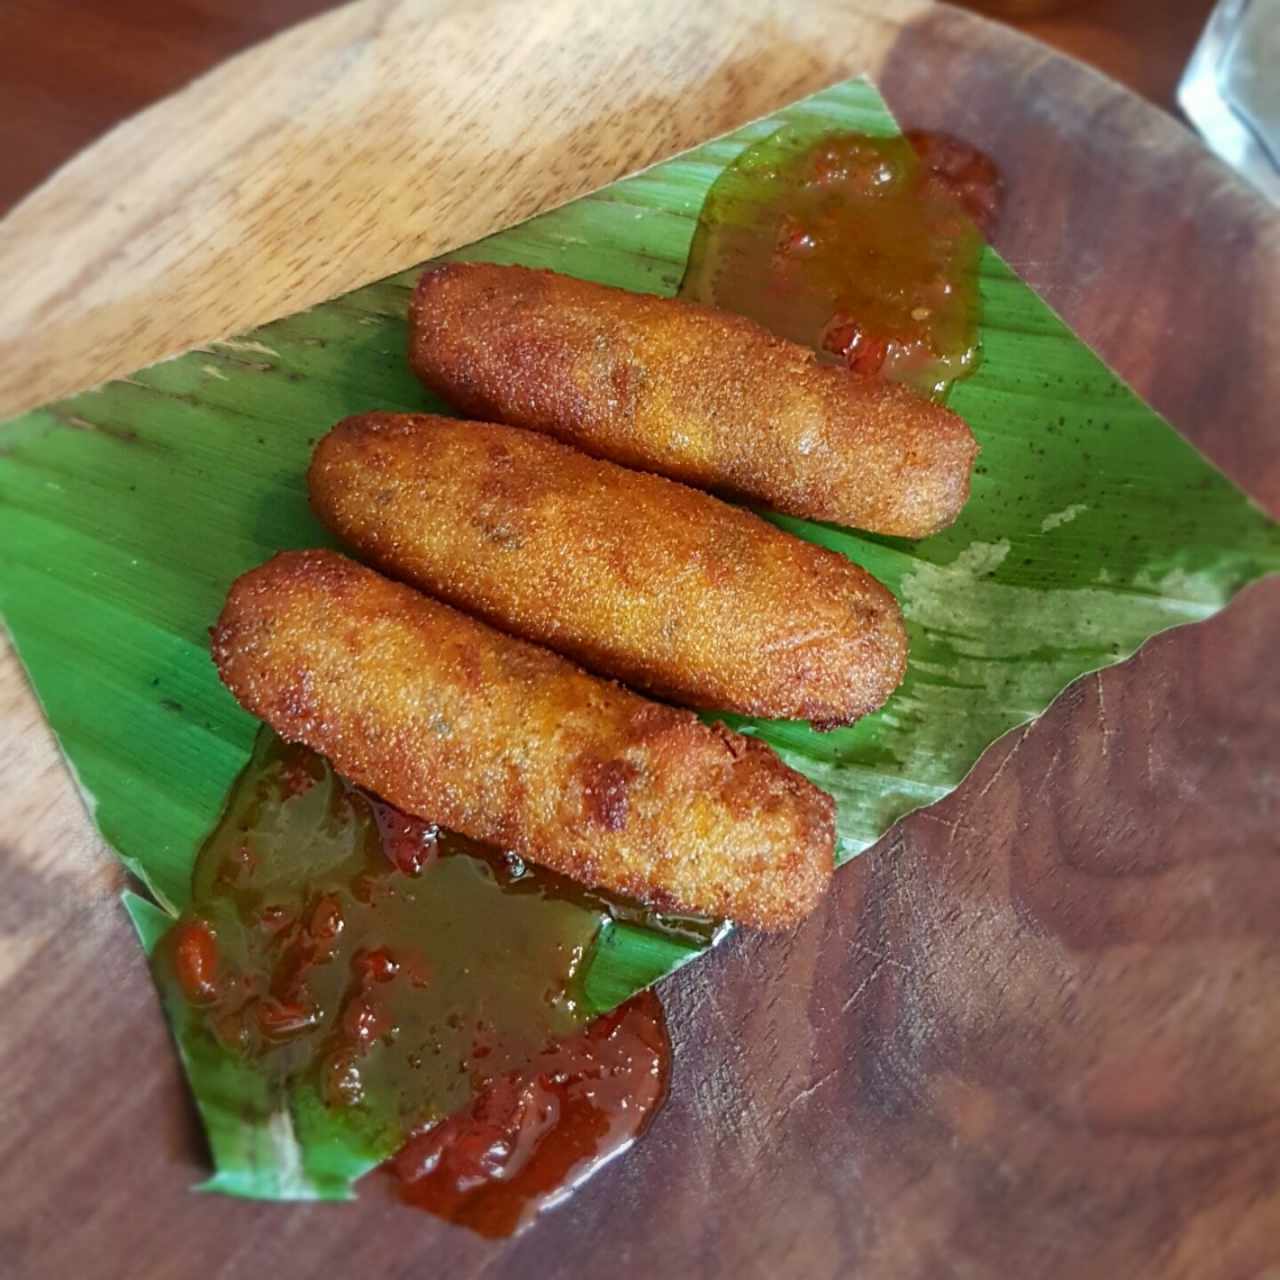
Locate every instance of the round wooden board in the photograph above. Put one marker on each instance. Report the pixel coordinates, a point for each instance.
(1034, 1032)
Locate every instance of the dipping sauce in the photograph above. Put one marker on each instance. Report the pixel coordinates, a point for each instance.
(532, 1136)
(397, 972)
(864, 248)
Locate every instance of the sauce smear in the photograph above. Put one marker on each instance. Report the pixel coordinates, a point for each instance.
(863, 248)
(400, 974)
(534, 1135)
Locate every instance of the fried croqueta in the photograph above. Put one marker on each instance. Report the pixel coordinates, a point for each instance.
(632, 575)
(511, 744)
(693, 393)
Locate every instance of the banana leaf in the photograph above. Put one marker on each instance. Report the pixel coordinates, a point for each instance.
(126, 511)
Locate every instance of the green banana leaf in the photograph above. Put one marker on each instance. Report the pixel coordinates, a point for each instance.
(125, 512)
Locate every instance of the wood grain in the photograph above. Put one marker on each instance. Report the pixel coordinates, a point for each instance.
(70, 72)
(415, 128)
(1034, 1032)
(58, 93)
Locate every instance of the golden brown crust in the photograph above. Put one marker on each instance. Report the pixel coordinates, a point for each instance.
(511, 744)
(697, 394)
(630, 574)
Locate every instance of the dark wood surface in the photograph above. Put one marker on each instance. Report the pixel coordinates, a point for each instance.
(1144, 44)
(1033, 1033)
(70, 69)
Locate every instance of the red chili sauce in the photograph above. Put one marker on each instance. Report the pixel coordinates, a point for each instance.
(403, 975)
(536, 1134)
(864, 248)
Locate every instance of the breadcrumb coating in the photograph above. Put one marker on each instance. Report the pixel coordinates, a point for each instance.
(693, 393)
(632, 575)
(511, 744)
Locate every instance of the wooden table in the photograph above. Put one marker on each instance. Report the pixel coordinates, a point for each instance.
(1034, 1032)
(67, 74)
